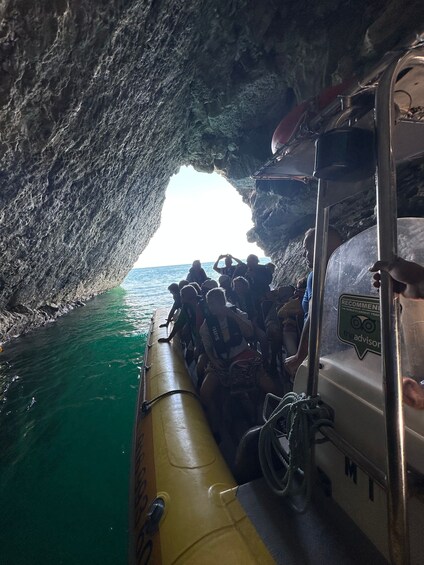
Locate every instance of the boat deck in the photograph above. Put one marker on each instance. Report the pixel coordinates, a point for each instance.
(321, 535)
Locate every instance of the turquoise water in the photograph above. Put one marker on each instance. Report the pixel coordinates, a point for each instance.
(67, 402)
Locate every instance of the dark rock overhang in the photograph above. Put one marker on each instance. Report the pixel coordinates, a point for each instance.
(101, 102)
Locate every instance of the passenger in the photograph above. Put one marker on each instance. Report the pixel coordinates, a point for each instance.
(408, 277)
(271, 267)
(276, 299)
(197, 273)
(196, 287)
(229, 267)
(225, 336)
(240, 271)
(243, 300)
(408, 281)
(243, 297)
(225, 284)
(291, 364)
(182, 283)
(259, 277)
(207, 286)
(189, 299)
(413, 393)
(202, 311)
(291, 317)
(202, 307)
(175, 291)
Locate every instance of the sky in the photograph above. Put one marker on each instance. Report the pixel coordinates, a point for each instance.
(202, 218)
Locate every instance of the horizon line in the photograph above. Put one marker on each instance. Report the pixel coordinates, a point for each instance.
(183, 264)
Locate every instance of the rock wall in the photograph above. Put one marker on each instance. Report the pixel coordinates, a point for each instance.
(101, 101)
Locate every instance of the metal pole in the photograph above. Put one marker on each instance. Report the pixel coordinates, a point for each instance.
(320, 263)
(390, 342)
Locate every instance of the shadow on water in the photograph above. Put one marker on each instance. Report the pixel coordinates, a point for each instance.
(67, 400)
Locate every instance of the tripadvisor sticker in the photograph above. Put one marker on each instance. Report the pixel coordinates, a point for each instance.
(359, 323)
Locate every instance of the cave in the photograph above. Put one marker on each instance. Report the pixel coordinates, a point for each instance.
(101, 102)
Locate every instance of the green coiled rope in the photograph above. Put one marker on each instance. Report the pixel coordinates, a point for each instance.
(298, 418)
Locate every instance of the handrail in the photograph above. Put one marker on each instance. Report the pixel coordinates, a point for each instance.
(319, 269)
(390, 341)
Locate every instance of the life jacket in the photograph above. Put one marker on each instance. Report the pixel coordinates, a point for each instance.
(204, 307)
(222, 348)
(190, 312)
(246, 304)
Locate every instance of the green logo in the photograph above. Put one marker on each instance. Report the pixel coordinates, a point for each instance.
(359, 323)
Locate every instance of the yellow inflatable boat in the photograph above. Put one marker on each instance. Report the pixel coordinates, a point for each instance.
(186, 507)
(180, 478)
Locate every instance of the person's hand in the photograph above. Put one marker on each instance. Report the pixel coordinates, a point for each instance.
(220, 310)
(217, 363)
(413, 393)
(164, 340)
(408, 277)
(230, 312)
(291, 365)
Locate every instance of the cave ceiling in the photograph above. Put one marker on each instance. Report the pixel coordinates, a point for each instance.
(101, 101)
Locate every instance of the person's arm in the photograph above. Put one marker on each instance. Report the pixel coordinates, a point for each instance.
(172, 312)
(408, 277)
(413, 393)
(291, 364)
(179, 324)
(236, 260)
(243, 322)
(169, 317)
(215, 267)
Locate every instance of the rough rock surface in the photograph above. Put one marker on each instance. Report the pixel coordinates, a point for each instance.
(101, 101)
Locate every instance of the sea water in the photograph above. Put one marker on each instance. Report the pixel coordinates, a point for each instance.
(67, 406)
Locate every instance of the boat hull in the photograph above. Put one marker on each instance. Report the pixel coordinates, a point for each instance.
(183, 496)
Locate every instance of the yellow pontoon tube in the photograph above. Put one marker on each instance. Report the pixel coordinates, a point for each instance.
(184, 497)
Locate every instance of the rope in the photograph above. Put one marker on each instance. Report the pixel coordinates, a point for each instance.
(298, 418)
(147, 404)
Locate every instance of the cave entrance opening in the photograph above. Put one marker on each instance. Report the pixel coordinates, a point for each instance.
(203, 217)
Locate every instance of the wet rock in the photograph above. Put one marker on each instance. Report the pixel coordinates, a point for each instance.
(102, 101)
